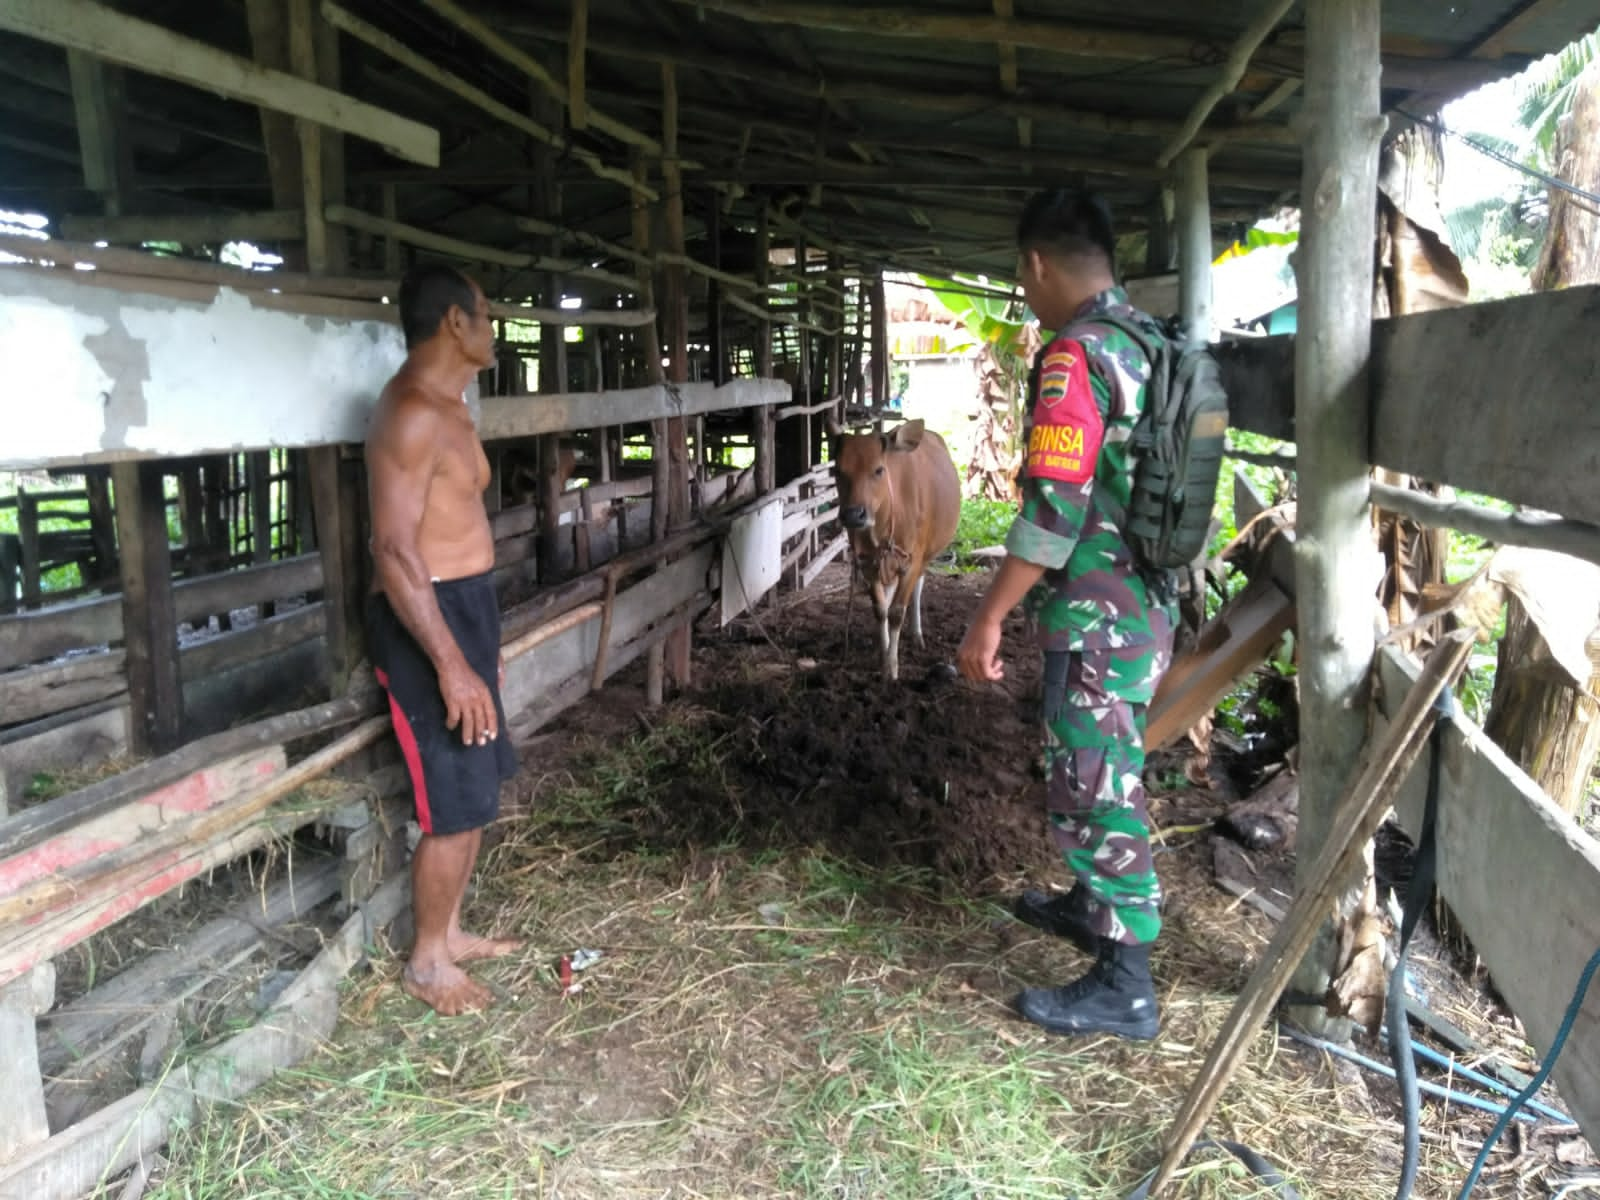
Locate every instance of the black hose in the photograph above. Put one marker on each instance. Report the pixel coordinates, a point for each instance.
(1418, 890)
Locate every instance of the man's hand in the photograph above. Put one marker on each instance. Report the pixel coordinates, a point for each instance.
(979, 656)
(468, 703)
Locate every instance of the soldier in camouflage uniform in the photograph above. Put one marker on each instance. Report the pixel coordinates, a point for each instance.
(1106, 632)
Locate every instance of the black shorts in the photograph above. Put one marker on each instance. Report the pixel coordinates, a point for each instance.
(457, 787)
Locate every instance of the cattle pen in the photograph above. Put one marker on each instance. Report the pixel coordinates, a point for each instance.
(683, 213)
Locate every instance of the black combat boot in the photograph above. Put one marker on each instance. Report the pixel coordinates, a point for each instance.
(1063, 915)
(1116, 996)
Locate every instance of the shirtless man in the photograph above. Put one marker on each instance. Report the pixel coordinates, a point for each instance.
(433, 622)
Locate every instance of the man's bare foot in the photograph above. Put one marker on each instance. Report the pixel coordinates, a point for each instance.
(469, 947)
(447, 989)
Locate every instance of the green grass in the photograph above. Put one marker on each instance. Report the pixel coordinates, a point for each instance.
(983, 523)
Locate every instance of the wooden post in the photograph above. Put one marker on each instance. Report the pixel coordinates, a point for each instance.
(303, 62)
(1194, 245)
(655, 663)
(28, 536)
(102, 524)
(103, 147)
(719, 346)
(1158, 240)
(675, 311)
(836, 341)
(392, 265)
(149, 619)
(336, 521)
(1336, 564)
(766, 456)
(546, 203)
(880, 348)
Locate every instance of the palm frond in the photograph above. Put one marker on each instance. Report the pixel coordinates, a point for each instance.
(1546, 89)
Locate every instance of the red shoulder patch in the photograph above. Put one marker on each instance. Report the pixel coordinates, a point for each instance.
(1064, 445)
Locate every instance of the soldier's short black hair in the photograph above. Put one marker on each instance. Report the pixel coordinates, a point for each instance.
(1068, 222)
(427, 293)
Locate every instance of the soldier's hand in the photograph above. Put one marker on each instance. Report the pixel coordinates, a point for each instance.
(467, 703)
(979, 656)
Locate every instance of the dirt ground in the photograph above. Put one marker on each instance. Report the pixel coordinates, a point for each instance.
(815, 748)
(797, 877)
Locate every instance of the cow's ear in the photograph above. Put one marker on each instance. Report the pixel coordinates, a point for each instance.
(905, 437)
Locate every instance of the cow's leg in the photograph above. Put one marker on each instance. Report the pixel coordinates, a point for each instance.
(889, 618)
(891, 662)
(916, 608)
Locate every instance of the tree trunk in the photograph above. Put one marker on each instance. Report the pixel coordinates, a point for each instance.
(1540, 718)
(1571, 253)
(1549, 726)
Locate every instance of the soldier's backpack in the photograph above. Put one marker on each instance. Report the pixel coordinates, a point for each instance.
(1176, 448)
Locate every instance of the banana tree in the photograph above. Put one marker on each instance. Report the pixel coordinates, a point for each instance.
(1006, 338)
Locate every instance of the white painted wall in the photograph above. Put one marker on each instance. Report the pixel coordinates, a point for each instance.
(95, 372)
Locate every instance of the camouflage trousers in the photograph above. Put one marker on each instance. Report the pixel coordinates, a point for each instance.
(1095, 703)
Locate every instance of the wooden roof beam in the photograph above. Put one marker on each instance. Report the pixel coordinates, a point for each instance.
(1008, 73)
(1233, 70)
(363, 31)
(847, 88)
(1082, 40)
(485, 36)
(114, 37)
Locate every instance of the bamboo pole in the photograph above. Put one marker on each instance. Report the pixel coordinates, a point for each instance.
(1336, 564)
(555, 628)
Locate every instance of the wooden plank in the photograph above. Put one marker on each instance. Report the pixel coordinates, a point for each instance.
(823, 557)
(115, 37)
(189, 229)
(45, 821)
(1258, 376)
(26, 1124)
(34, 637)
(101, 1146)
(529, 416)
(1534, 926)
(125, 877)
(149, 621)
(559, 659)
(1359, 813)
(1453, 399)
(102, 1019)
(72, 853)
(1230, 646)
(262, 640)
(34, 692)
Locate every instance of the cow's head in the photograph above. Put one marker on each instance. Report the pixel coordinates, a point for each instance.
(861, 470)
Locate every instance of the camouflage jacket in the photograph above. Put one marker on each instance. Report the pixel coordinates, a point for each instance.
(1087, 392)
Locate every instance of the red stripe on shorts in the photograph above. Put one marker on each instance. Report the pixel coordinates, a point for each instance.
(412, 753)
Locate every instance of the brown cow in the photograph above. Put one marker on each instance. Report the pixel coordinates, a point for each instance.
(899, 500)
